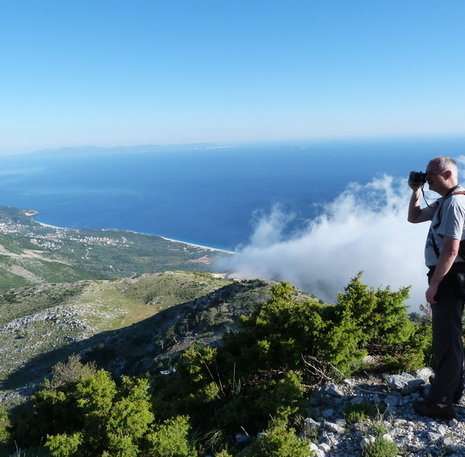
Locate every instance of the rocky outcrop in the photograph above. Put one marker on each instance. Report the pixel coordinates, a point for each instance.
(391, 398)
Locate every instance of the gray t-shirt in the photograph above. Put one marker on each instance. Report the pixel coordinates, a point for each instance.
(447, 219)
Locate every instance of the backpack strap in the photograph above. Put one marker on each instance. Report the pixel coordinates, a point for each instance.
(438, 223)
(462, 242)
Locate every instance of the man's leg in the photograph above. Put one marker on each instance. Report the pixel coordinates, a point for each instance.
(447, 340)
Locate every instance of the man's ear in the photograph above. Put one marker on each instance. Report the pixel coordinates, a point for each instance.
(447, 174)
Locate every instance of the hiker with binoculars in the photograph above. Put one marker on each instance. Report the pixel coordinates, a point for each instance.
(446, 280)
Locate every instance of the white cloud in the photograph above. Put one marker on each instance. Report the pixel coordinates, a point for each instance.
(365, 228)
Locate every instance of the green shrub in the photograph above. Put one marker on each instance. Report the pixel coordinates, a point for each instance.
(378, 430)
(64, 445)
(4, 422)
(170, 439)
(381, 447)
(359, 413)
(376, 322)
(279, 441)
(71, 371)
(4, 428)
(364, 321)
(283, 345)
(91, 416)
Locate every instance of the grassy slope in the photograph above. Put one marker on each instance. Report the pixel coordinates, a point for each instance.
(123, 324)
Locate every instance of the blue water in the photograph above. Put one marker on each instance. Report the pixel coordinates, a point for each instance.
(209, 196)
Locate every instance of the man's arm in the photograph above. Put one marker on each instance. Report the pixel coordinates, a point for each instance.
(445, 261)
(417, 214)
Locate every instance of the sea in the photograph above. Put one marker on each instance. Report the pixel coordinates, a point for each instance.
(208, 194)
(311, 212)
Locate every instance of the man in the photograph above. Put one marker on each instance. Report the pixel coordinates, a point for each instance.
(446, 279)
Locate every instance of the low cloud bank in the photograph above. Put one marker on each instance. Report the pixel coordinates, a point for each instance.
(364, 229)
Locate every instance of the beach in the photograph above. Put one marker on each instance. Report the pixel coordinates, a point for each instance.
(208, 248)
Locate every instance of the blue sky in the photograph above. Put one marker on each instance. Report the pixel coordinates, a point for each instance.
(104, 73)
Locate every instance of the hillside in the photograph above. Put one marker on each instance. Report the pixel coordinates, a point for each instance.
(33, 253)
(134, 326)
(129, 325)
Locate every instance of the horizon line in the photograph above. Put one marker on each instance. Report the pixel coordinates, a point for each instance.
(226, 144)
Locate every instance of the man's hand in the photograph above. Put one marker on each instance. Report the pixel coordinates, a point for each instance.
(431, 294)
(414, 185)
(417, 214)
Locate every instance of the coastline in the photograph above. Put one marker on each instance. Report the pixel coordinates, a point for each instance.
(209, 248)
(201, 246)
(52, 226)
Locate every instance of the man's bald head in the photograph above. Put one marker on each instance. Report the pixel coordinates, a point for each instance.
(442, 164)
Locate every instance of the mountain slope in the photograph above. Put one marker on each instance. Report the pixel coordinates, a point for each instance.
(127, 325)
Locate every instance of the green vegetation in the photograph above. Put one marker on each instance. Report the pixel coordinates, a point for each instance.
(93, 415)
(279, 441)
(378, 430)
(17, 303)
(113, 323)
(381, 447)
(358, 413)
(4, 424)
(262, 368)
(284, 345)
(32, 253)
